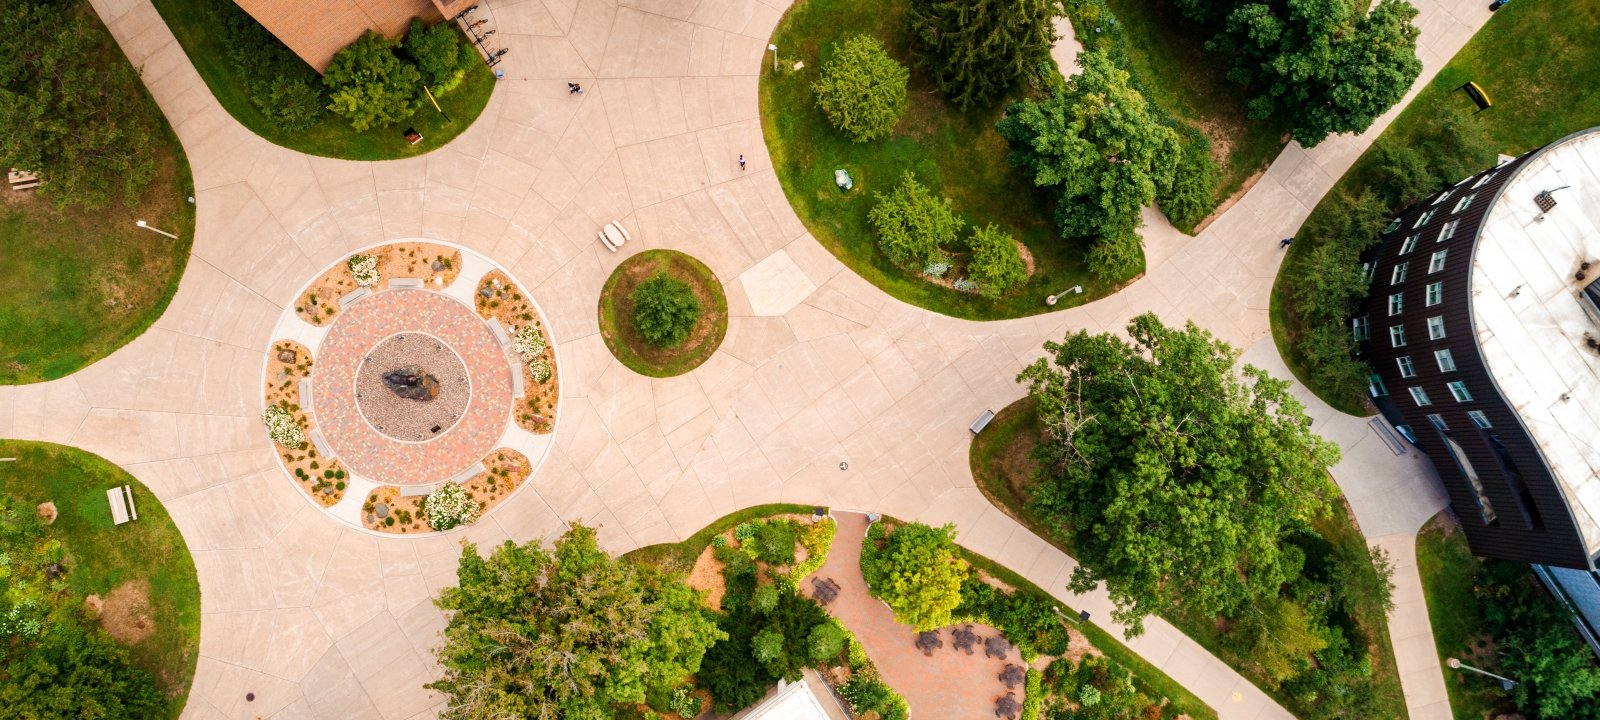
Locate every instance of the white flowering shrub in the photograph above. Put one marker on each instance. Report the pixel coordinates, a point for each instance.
(528, 342)
(936, 269)
(539, 369)
(449, 506)
(364, 268)
(282, 426)
(965, 285)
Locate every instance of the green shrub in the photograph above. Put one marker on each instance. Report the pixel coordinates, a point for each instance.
(775, 541)
(870, 694)
(370, 86)
(281, 85)
(1117, 257)
(684, 704)
(1191, 194)
(918, 572)
(826, 641)
(767, 645)
(744, 531)
(437, 52)
(913, 224)
(817, 540)
(1033, 696)
(996, 264)
(862, 89)
(719, 541)
(766, 598)
(665, 310)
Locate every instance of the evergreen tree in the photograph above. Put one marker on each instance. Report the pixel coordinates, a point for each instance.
(976, 49)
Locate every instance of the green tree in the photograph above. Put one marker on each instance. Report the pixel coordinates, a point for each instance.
(913, 224)
(1555, 672)
(1098, 144)
(370, 86)
(1117, 256)
(64, 86)
(569, 633)
(917, 571)
(1327, 65)
(826, 641)
(437, 52)
(862, 89)
(1178, 476)
(665, 310)
(1192, 193)
(977, 49)
(996, 264)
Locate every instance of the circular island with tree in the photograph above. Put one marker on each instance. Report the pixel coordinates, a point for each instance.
(662, 313)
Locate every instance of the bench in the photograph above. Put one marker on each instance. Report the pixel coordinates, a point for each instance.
(26, 186)
(350, 298)
(409, 283)
(415, 490)
(122, 509)
(517, 389)
(305, 395)
(614, 236)
(982, 422)
(499, 331)
(462, 477)
(322, 445)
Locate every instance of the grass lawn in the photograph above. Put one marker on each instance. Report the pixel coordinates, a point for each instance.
(1003, 470)
(616, 314)
(101, 556)
(76, 284)
(1536, 60)
(681, 555)
(1448, 568)
(193, 23)
(958, 155)
(1176, 71)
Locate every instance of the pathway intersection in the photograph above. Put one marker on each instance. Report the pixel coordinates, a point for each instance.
(819, 368)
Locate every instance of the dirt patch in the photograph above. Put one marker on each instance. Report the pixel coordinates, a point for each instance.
(47, 511)
(508, 304)
(93, 604)
(126, 612)
(995, 582)
(320, 302)
(1027, 256)
(1078, 647)
(707, 575)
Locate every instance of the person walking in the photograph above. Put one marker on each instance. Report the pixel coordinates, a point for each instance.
(741, 161)
(574, 88)
(1286, 242)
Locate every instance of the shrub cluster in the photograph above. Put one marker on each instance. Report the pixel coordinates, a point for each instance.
(665, 310)
(919, 231)
(450, 506)
(1556, 674)
(281, 85)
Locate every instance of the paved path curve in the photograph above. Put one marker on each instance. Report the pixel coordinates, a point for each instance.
(819, 367)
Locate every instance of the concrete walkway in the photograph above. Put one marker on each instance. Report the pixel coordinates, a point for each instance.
(819, 367)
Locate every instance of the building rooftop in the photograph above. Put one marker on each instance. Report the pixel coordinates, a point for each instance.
(1530, 325)
(315, 31)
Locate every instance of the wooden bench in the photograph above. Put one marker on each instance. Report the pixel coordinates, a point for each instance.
(350, 298)
(122, 509)
(499, 331)
(408, 283)
(982, 422)
(305, 395)
(322, 445)
(415, 490)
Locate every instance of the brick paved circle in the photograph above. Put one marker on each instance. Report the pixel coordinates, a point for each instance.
(361, 329)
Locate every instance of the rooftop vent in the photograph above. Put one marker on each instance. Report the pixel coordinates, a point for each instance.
(1545, 200)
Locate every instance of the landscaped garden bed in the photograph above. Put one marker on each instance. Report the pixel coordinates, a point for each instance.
(386, 510)
(499, 298)
(435, 265)
(692, 330)
(322, 479)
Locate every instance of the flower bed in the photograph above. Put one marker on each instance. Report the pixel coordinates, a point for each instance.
(435, 265)
(497, 297)
(323, 481)
(506, 469)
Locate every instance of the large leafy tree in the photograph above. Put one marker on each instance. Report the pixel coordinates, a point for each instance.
(1327, 65)
(1178, 474)
(1098, 143)
(565, 634)
(917, 570)
(370, 86)
(65, 92)
(862, 89)
(976, 49)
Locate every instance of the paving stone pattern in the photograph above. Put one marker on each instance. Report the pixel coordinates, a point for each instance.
(322, 621)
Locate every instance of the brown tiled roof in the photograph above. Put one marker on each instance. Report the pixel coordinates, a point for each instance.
(317, 30)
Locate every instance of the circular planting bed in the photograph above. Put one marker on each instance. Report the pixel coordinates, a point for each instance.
(624, 338)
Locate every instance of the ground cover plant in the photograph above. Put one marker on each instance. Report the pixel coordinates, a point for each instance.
(1537, 62)
(81, 278)
(271, 91)
(135, 659)
(663, 313)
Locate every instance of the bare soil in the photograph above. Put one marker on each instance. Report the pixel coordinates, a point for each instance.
(320, 302)
(505, 469)
(125, 613)
(707, 575)
(510, 305)
(304, 464)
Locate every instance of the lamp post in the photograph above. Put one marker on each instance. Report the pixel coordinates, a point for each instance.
(774, 49)
(147, 226)
(1506, 683)
(1053, 299)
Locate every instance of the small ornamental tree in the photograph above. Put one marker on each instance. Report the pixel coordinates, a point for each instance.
(917, 571)
(913, 223)
(665, 310)
(862, 89)
(450, 506)
(371, 87)
(996, 264)
(437, 52)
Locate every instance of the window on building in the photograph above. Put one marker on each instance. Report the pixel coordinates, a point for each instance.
(1435, 294)
(1397, 336)
(1436, 327)
(1458, 390)
(1438, 423)
(1436, 263)
(1375, 386)
(1486, 177)
(1420, 396)
(1409, 244)
(1443, 196)
(1464, 203)
(1423, 219)
(1397, 303)
(1405, 431)
(1358, 328)
(1406, 368)
(1368, 269)
(1447, 363)
(1393, 225)
(1513, 478)
(1485, 508)
(1478, 418)
(1448, 231)
(1399, 274)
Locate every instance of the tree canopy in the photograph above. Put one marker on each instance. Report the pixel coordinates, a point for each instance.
(1179, 476)
(73, 109)
(917, 570)
(665, 310)
(913, 224)
(565, 634)
(977, 49)
(1327, 65)
(370, 86)
(862, 89)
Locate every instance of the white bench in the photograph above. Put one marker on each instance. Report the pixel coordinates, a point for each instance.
(26, 186)
(305, 395)
(982, 422)
(462, 477)
(411, 283)
(349, 298)
(122, 509)
(517, 389)
(415, 490)
(499, 331)
(322, 445)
